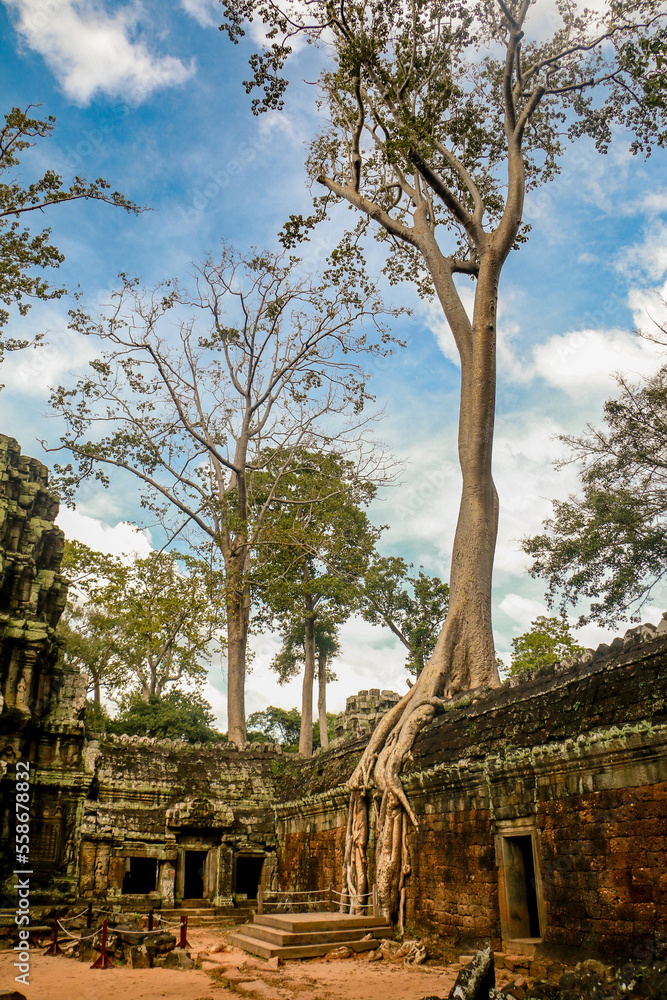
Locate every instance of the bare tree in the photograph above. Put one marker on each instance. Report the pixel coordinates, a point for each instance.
(441, 116)
(263, 363)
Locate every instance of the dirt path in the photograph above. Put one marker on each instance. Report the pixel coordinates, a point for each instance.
(228, 974)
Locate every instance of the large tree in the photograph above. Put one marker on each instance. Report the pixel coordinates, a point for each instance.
(24, 254)
(607, 546)
(440, 116)
(290, 661)
(203, 393)
(319, 541)
(140, 625)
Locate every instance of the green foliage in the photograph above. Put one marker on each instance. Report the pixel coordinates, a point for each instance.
(175, 715)
(23, 254)
(137, 623)
(266, 359)
(413, 607)
(276, 725)
(96, 718)
(283, 726)
(608, 545)
(548, 641)
(427, 104)
(289, 661)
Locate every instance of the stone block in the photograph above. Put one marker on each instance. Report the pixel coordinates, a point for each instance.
(139, 957)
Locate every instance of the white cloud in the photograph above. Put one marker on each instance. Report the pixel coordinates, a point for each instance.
(111, 539)
(92, 51)
(654, 202)
(205, 12)
(524, 610)
(583, 362)
(648, 257)
(34, 371)
(649, 307)
(525, 450)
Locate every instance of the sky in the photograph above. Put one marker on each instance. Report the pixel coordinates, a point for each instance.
(150, 96)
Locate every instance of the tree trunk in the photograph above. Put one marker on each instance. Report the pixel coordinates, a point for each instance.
(237, 605)
(97, 693)
(322, 700)
(306, 735)
(464, 656)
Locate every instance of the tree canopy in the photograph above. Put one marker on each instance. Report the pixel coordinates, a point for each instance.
(413, 607)
(142, 624)
(548, 641)
(320, 541)
(267, 362)
(607, 546)
(283, 726)
(175, 715)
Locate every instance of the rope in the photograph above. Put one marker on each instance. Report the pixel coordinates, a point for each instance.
(88, 937)
(306, 892)
(76, 916)
(358, 895)
(163, 921)
(111, 930)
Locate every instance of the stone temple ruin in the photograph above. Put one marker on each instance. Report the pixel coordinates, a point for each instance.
(542, 804)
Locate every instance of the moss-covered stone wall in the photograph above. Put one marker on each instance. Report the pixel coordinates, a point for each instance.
(570, 762)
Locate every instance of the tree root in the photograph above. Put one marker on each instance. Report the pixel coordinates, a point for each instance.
(381, 765)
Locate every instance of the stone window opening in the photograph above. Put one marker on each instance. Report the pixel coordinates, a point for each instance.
(140, 876)
(521, 901)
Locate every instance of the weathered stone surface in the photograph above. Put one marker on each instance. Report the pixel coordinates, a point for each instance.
(179, 958)
(32, 591)
(41, 703)
(476, 979)
(139, 957)
(363, 711)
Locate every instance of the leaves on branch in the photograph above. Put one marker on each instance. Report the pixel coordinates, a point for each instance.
(608, 545)
(24, 254)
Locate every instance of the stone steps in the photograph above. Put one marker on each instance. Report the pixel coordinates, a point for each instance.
(207, 916)
(306, 935)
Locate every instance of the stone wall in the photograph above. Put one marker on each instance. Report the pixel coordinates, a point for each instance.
(159, 799)
(32, 591)
(41, 703)
(567, 765)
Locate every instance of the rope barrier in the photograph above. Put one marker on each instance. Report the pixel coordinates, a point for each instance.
(88, 937)
(305, 892)
(116, 930)
(68, 920)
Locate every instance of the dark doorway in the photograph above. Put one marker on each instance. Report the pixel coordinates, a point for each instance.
(521, 887)
(248, 874)
(140, 875)
(193, 882)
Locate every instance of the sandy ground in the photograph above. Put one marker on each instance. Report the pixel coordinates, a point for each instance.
(228, 974)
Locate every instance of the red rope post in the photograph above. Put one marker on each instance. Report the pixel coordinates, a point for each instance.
(184, 930)
(54, 948)
(89, 916)
(103, 962)
(150, 919)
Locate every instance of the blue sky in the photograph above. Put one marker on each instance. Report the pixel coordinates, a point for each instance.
(150, 96)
